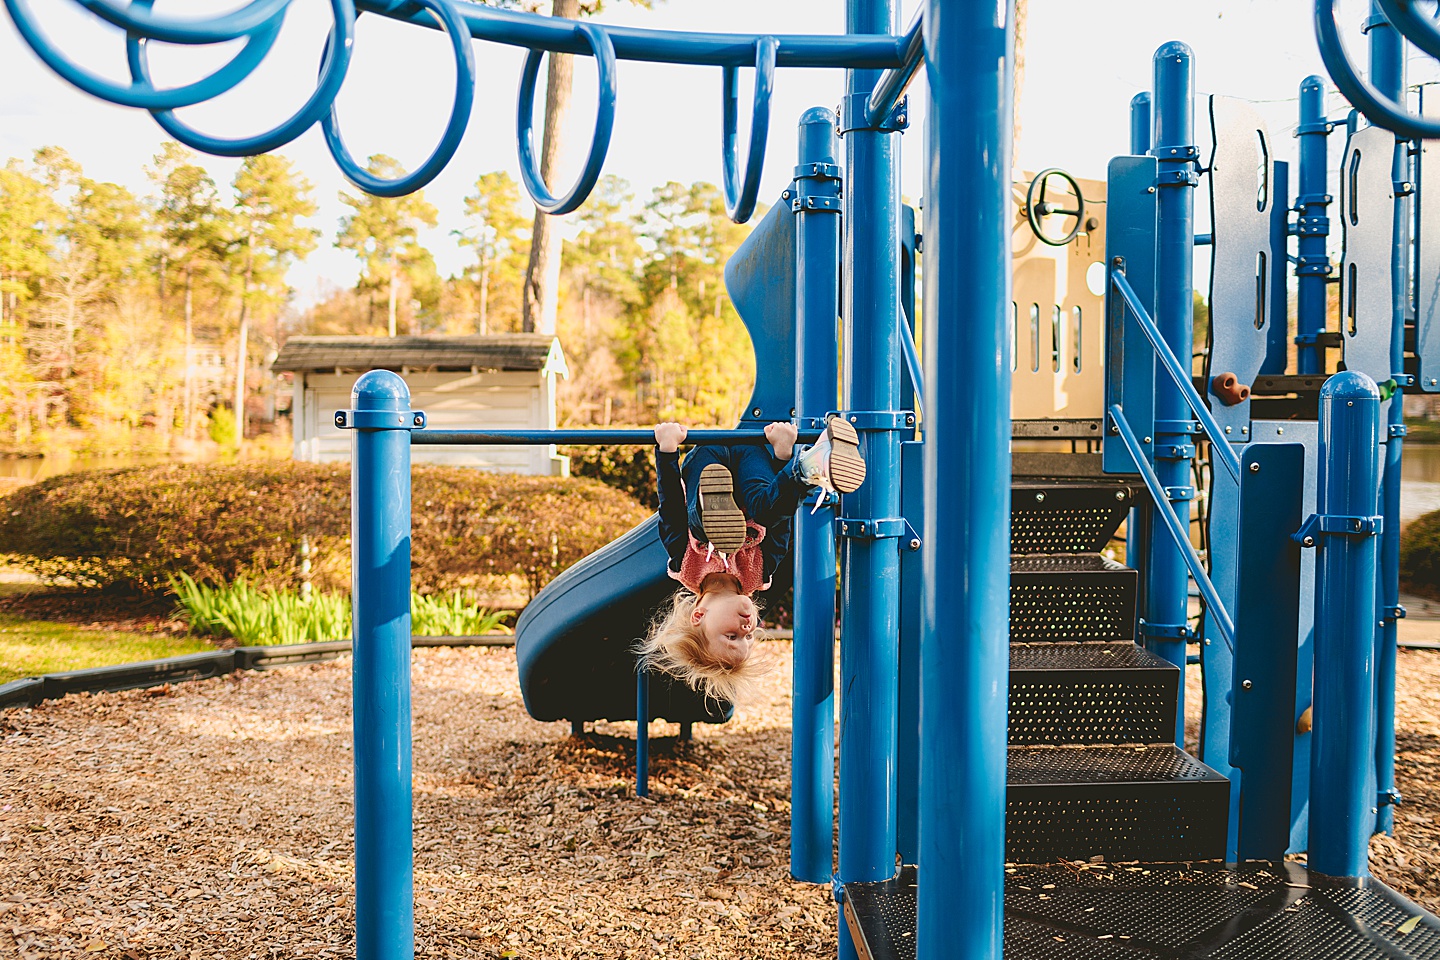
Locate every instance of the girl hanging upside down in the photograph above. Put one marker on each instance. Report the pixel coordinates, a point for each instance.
(724, 520)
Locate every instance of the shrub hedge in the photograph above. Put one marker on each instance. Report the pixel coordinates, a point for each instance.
(1420, 556)
(135, 528)
(630, 469)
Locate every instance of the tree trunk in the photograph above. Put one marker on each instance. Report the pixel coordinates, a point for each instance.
(189, 356)
(542, 274)
(1022, 16)
(484, 292)
(242, 348)
(392, 294)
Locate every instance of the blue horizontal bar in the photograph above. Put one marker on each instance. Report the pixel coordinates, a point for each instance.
(1218, 443)
(912, 362)
(1218, 614)
(595, 437)
(873, 51)
(1204, 239)
(893, 82)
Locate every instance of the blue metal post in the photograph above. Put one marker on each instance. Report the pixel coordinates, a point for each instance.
(1140, 123)
(380, 531)
(1137, 525)
(642, 733)
(1342, 798)
(1166, 593)
(964, 648)
(1313, 226)
(870, 591)
(817, 313)
(1387, 73)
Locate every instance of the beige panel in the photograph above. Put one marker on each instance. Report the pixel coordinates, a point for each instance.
(1058, 321)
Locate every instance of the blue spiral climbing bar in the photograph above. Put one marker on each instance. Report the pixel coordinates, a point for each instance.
(258, 23)
(1382, 107)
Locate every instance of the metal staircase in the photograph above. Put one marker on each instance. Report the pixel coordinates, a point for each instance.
(1115, 837)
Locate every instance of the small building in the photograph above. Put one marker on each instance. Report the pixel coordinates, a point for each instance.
(495, 382)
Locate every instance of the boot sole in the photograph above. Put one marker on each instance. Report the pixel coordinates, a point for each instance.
(723, 522)
(847, 467)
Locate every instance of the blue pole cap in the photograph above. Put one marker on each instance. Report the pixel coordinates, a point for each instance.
(1175, 50)
(1141, 99)
(817, 136)
(380, 390)
(1349, 385)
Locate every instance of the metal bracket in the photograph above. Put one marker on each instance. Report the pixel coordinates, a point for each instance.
(1180, 493)
(1389, 798)
(873, 420)
(1177, 178)
(1167, 631)
(1404, 188)
(1398, 429)
(1312, 227)
(837, 889)
(1397, 612)
(1313, 264)
(1175, 153)
(1336, 525)
(1175, 451)
(1178, 427)
(1401, 380)
(854, 107)
(379, 420)
(816, 188)
(878, 528)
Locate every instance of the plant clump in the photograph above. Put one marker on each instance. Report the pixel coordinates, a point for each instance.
(135, 529)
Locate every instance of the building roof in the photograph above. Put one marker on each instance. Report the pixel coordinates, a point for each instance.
(501, 351)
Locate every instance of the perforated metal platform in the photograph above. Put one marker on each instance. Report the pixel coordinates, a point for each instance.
(1121, 803)
(1076, 597)
(1057, 516)
(1169, 911)
(1069, 693)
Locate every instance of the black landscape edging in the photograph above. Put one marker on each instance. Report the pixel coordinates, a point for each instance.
(29, 691)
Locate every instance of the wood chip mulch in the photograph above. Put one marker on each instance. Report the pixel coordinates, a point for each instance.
(213, 820)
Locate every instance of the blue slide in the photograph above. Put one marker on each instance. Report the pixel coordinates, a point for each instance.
(574, 642)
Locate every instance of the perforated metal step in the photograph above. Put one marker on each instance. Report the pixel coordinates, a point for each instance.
(1066, 516)
(1073, 693)
(1080, 598)
(1121, 803)
(1257, 911)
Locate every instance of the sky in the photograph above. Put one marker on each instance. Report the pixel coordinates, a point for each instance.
(1084, 60)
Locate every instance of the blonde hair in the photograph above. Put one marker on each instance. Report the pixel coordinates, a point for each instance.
(676, 645)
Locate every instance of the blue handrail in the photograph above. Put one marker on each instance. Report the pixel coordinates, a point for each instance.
(1218, 614)
(595, 436)
(893, 82)
(1218, 443)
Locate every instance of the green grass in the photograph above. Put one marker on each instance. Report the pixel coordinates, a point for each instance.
(258, 617)
(29, 648)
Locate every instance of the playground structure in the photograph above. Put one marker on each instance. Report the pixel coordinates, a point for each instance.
(961, 751)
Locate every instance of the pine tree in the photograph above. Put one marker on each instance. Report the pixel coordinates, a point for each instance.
(384, 232)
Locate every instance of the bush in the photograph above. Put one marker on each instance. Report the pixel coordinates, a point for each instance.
(631, 469)
(1420, 556)
(136, 528)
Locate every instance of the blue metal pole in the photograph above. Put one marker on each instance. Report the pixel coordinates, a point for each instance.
(870, 588)
(1137, 525)
(380, 519)
(1166, 595)
(1387, 73)
(1342, 799)
(1140, 123)
(817, 313)
(964, 648)
(642, 733)
(1313, 226)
